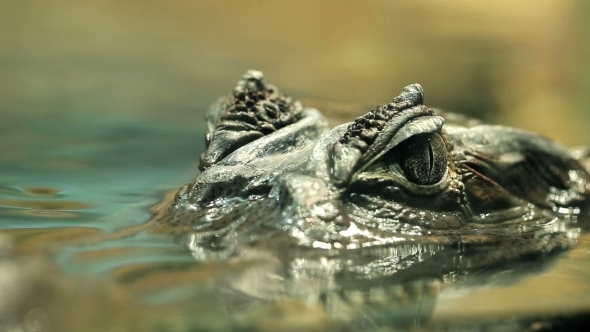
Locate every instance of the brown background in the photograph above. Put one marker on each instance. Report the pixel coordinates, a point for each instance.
(514, 62)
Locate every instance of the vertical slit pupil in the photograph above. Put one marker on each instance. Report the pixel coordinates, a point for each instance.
(422, 158)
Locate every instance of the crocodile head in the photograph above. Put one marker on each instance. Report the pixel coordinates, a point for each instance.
(275, 175)
(369, 217)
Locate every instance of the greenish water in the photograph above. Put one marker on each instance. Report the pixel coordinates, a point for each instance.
(65, 184)
(89, 168)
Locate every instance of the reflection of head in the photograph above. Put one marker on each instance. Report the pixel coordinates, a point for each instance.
(381, 287)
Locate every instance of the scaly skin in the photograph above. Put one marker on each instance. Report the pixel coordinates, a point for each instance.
(402, 194)
(396, 175)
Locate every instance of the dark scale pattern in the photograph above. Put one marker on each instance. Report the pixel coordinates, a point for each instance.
(250, 112)
(253, 105)
(367, 127)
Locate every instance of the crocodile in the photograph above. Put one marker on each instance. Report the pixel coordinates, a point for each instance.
(403, 173)
(404, 193)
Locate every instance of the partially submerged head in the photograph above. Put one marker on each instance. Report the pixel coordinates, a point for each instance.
(398, 174)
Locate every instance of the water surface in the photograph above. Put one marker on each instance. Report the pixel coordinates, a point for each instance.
(76, 193)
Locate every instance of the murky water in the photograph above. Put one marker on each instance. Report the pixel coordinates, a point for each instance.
(102, 106)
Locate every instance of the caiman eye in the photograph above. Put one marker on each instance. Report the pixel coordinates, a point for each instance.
(421, 158)
(419, 165)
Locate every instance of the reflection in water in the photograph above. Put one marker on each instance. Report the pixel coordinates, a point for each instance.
(368, 288)
(43, 205)
(331, 286)
(41, 191)
(55, 209)
(42, 214)
(156, 284)
(29, 240)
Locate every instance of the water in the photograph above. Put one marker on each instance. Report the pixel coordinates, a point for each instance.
(78, 178)
(101, 117)
(76, 193)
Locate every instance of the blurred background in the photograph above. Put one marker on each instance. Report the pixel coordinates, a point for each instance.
(522, 63)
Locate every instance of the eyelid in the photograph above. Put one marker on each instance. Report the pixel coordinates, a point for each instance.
(417, 126)
(382, 170)
(402, 182)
